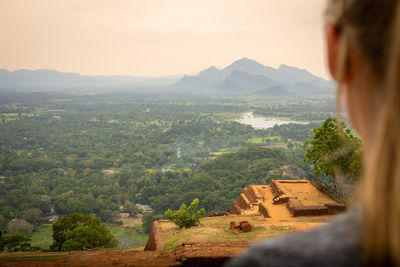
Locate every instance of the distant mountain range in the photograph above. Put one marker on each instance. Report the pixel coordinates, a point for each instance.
(246, 77)
(35, 80)
(242, 77)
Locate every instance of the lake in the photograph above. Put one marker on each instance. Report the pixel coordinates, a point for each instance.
(262, 123)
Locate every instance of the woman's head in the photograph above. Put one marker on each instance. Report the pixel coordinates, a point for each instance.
(359, 34)
(363, 39)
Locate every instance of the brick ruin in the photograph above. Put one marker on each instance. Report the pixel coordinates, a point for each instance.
(295, 205)
(249, 198)
(254, 197)
(281, 199)
(243, 226)
(187, 254)
(262, 208)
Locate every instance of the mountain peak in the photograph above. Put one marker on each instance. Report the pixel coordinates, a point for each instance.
(211, 69)
(245, 61)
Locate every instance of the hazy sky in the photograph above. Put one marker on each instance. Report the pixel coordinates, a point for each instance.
(159, 37)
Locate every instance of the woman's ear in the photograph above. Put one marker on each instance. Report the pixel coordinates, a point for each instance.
(332, 41)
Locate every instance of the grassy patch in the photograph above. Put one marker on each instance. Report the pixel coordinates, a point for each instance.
(128, 237)
(256, 140)
(173, 243)
(274, 138)
(43, 236)
(133, 223)
(218, 153)
(217, 229)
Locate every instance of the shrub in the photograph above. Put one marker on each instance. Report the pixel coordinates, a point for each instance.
(83, 237)
(186, 217)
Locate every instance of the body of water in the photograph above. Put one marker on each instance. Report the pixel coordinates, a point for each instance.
(248, 118)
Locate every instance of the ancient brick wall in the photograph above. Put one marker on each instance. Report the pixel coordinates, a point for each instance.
(308, 211)
(243, 202)
(298, 209)
(293, 181)
(152, 241)
(255, 192)
(262, 208)
(293, 204)
(187, 254)
(207, 253)
(235, 209)
(250, 195)
(335, 208)
(276, 188)
(280, 199)
(327, 209)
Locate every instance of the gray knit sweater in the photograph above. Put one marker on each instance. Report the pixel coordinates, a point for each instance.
(334, 244)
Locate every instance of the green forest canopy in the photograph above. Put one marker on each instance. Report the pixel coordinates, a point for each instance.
(66, 153)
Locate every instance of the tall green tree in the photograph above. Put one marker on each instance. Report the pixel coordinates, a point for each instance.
(78, 232)
(33, 216)
(334, 150)
(131, 208)
(147, 220)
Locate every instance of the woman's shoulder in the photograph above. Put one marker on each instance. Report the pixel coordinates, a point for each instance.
(334, 244)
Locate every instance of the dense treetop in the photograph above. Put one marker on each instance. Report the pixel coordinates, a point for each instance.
(93, 153)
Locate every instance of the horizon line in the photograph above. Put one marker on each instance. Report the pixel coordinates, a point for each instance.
(162, 76)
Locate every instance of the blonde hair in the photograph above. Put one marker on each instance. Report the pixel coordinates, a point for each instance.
(377, 27)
